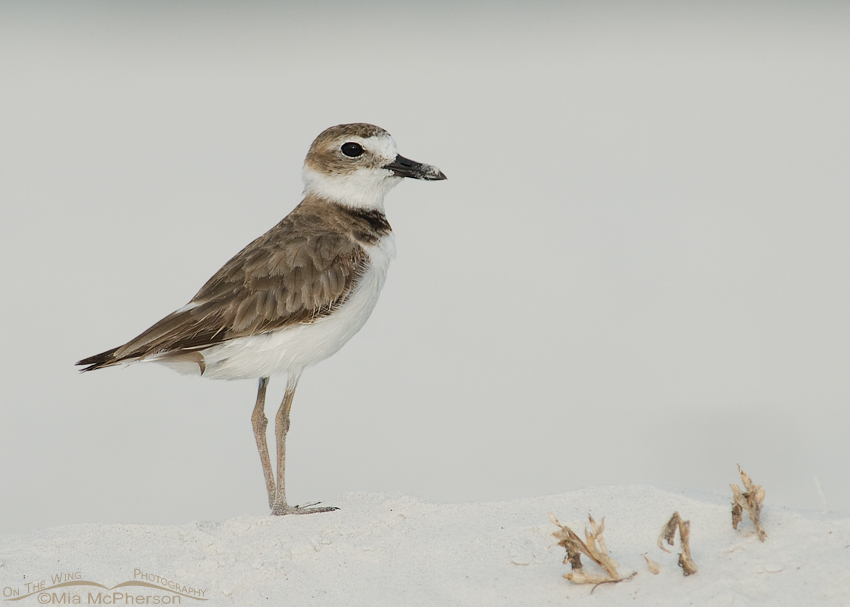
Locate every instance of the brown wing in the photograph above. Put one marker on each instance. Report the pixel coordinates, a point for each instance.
(299, 271)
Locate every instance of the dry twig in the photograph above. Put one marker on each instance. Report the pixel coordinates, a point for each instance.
(593, 547)
(668, 534)
(750, 500)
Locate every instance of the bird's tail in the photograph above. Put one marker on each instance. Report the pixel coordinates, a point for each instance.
(99, 361)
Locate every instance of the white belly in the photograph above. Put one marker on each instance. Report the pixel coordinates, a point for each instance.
(292, 349)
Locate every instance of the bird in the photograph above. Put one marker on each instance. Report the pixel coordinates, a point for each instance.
(295, 295)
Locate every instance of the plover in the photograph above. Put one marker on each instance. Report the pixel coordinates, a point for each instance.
(295, 295)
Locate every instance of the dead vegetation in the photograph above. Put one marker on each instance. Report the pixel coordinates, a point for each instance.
(750, 500)
(594, 548)
(668, 534)
(654, 568)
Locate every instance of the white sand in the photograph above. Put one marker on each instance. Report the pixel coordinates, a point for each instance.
(394, 550)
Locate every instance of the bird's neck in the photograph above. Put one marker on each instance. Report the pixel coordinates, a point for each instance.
(361, 190)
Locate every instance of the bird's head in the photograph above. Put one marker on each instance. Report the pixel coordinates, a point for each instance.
(357, 164)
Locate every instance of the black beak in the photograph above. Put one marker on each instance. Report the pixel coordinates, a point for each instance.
(404, 167)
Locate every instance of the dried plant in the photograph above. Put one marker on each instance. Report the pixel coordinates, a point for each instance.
(593, 547)
(750, 500)
(654, 568)
(668, 534)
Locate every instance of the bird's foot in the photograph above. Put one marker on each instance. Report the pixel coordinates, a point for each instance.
(282, 509)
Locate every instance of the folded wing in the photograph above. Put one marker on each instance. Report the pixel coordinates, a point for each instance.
(298, 272)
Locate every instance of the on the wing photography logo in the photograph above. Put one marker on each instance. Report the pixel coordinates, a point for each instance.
(71, 589)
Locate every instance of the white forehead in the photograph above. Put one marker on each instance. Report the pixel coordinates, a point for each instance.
(382, 145)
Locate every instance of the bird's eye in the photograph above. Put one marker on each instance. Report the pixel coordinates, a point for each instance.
(352, 149)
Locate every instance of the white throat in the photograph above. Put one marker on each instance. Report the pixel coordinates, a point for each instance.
(364, 188)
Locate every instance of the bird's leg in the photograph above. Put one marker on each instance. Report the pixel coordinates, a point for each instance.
(281, 427)
(259, 421)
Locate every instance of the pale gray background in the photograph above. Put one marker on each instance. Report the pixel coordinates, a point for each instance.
(637, 271)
